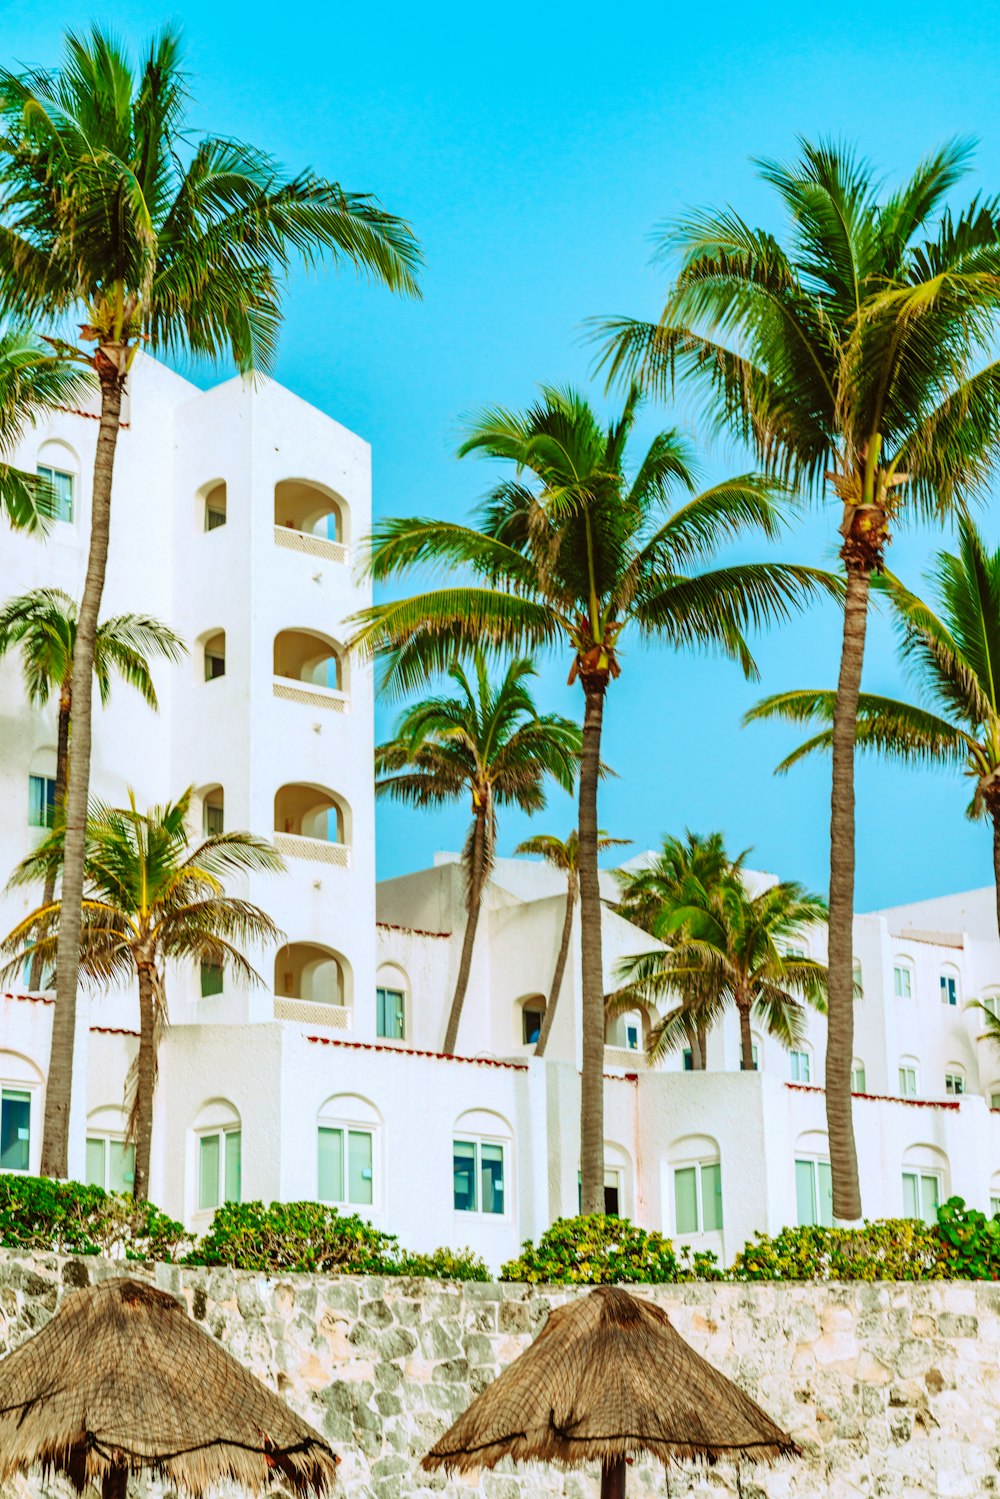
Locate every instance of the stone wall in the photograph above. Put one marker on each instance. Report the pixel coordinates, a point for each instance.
(891, 1390)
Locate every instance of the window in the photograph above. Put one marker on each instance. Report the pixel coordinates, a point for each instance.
(59, 504)
(949, 989)
(41, 801)
(531, 1022)
(907, 1082)
(795, 950)
(632, 1035)
(219, 1168)
(110, 1163)
(991, 1003)
(213, 814)
(814, 1193)
(857, 1076)
(211, 979)
(687, 1059)
(698, 1198)
(902, 981)
(389, 1013)
(346, 1171)
(754, 1059)
(15, 1129)
(612, 1192)
(215, 662)
(478, 1176)
(995, 1100)
(954, 1084)
(801, 1066)
(921, 1195)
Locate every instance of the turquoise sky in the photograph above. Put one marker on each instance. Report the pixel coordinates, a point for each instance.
(534, 148)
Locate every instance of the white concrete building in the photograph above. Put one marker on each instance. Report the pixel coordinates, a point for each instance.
(235, 510)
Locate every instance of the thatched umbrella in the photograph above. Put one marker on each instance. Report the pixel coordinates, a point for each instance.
(121, 1381)
(606, 1377)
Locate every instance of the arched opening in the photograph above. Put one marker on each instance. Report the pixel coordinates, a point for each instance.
(348, 1166)
(58, 467)
(307, 812)
(210, 513)
(213, 652)
(308, 657)
(482, 1163)
(217, 1135)
(925, 1182)
(213, 811)
(314, 974)
(529, 1014)
(301, 505)
(392, 989)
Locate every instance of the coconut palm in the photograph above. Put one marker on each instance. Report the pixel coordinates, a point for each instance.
(954, 659)
(487, 742)
(113, 213)
(34, 381)
(581, 549)
(659, 896)
(857, 359)
(732, 949)
(151, 897)
(43, 624)
(562, 854)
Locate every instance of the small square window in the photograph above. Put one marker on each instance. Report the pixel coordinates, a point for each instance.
(954, 1084)
(632, 1036)
(58, 504)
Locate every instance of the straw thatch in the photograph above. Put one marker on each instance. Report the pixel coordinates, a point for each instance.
(606, 1377)
(122, 1380)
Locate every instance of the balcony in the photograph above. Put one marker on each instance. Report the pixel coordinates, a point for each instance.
(311, 668)
(313, 985)
(294, 846)
(627, 1058)
(312, 546)
(313, 697)
(310, 822)
(312, 519)
(310, 1012)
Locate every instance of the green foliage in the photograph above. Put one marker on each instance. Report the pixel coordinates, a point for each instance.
(70, 1218)
(891, 1249)
(970, 1240)
(601, 1250)
(312, 1237)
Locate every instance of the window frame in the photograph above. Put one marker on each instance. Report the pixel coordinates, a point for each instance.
(346, 1128)
(907, 1067)
(699, 1164)
(949, 988)
(25, 1093)
(954, 1084)
(922, 1175)
(819, 1197)
(382, 991)
(795, 1054)
(858, 1070)
(902, 966)
(477, 1140)
(532, 1008)
(221, 1132)
(215, 968)
(48, 801)
(49, 473)
(107, 1138)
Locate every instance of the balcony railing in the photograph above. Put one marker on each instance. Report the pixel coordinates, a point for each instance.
(309, 1012)
(297, 847)
(313, 546)
(313, 697)
(625, 1056)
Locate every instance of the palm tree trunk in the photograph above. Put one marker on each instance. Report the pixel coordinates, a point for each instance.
(746, 1039)
(145, 1084)
(996, 861)
(840, 1013)
(694, 1046)
(702, 1034)
(62, 756)
(557, 977)
(591, 962)
(59, 1083)
(476, 880)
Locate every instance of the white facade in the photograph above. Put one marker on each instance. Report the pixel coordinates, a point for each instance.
(235, 511)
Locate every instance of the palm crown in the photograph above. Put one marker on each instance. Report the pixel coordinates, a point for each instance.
(33, 382)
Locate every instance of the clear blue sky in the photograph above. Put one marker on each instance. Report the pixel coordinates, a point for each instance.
(534, 147)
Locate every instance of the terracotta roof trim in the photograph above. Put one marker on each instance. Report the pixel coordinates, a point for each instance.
(409, 1051)
(913, 1103)
(415, 931)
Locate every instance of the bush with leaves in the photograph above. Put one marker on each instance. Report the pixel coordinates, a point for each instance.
(71, 1218)
(891, 1249)
(597, 1249)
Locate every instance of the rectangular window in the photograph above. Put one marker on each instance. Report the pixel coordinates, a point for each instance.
(491, 1176)
(907, 1082)
(211, 979)
(213, 820)
(949, 989)
(902, 983)
(233, 1183)
(995, 1100)
(921, 1194)
(466, 1196)
(858, 1078)
(215, 666)
(612, 1192)
(814, 1193)
(219, 1169)
(58, 505)
(687, 1058)
(41, 801)
(954, 1083)
(389, 1014)
(632, 1036)
(110, 1163)
(331, 1165)
(214, 518)
(531, 1024)
(478, 1167)
(15, 1129)
(698, 1198)
(208, 1172)
(801, 1070)
(686, 1200)
(356, 1171)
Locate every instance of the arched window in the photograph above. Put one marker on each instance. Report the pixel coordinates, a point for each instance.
(925, 1182)
(813, 1181)
(529, 1014)
(213, 650)
(903, 986)
(481, 1163)
(219, 1155)
(391, 991)
(59, 469)
(627, 1032)
(858, 1079)
(20, 1120)
(313, 659)
(954, 1079)
(211, 510)
(949, 984)
(696, 1171)
(110, 1160)
(800, 1063)
(316, 975)
(348, 1168)
(909, 1077)
(307, 817)
(311, 509)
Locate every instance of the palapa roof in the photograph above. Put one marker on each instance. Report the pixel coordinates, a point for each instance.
(121, 1377)
(608, 1376)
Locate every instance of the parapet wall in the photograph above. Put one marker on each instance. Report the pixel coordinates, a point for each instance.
(891, 1390)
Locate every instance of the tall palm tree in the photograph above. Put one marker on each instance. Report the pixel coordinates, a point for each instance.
(112, 212)
(954, 659)
(732, 949)
(686, 873)
(43, 624)
(857, 359)
(34, 381)
(151, 897)
(581, 548)
(562, 854)
(488, 742)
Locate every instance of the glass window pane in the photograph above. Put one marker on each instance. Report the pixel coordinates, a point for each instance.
(121, 1166)
(686, 1200)
(60, 504)
(214, 518)
(911, 1196)
(211, 979)
(531, 1018)
(858, 1079)
(359, 1167)
(208, 1172)
(213, 820)
(805, 1192)
(824, 1193)
(15, 1129)
(233, 1183)
(491, 1159)
(711, 1197)
(389, 1014)
(95, 1162)
(464, 1164)
(929, 1198)
(41, 801)
(330, 1186)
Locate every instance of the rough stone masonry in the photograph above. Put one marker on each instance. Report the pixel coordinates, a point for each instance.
(891, 1390)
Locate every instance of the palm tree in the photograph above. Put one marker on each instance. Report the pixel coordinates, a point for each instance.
(562, 854)
(489, 742)
(954, 657)
(34, 381)
(860, 357)
(43, 624)
(576, 549)
(112, 212)
(150, 898)
(732, 949)
(659, 896)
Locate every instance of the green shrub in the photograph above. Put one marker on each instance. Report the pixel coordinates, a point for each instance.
(891, 1249)
(312, 1237)
(70, 1218)
(970, 1242)
(600, 1250)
